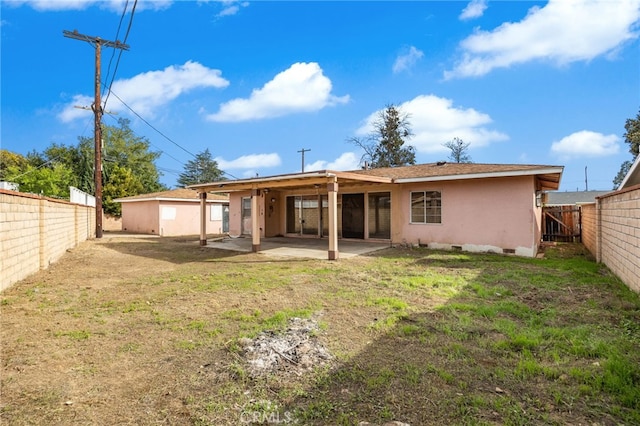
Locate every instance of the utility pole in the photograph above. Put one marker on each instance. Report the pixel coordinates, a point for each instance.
(586, 179)
(97, 113)
(302, 151)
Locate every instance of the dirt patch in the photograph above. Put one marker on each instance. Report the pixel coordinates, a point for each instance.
(296, 350)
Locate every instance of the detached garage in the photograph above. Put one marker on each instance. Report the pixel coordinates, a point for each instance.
(174, 213)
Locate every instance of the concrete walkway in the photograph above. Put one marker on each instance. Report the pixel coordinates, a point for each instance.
(312, 248)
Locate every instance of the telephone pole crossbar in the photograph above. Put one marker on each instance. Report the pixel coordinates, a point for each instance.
(97, 112)
(302, 151)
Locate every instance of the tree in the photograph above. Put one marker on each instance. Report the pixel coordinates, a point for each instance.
(201, 169)
(458, 150)
(631, 137)
(11, 160)
(50, 181)
(122, 147)
(384, 146)
(122, 182)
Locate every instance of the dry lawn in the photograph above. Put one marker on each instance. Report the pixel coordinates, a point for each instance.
(146, 331)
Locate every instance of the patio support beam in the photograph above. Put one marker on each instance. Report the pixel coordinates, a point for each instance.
(255, 220)
(203, 218)
(332, 194)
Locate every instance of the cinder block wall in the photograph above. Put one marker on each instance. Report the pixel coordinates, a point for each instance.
(36, 231)
(589, 232)
(620, 235)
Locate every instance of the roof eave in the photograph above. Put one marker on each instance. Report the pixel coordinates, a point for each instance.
(511, 173)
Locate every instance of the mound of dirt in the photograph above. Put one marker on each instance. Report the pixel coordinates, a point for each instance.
(296, 350)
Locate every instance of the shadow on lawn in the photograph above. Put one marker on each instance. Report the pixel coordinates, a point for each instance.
(182, 250)
(524, 342)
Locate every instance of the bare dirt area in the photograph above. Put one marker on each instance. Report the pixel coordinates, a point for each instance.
(128, 330)
(161, 331)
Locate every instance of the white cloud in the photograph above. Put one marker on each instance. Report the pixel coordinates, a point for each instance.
(346, 161)
(231, 7)
(71, 113)
(113, 5)
(474, 9)
(148, 91)
(563, 31)
(251, 161)
(301, 88)
(407, 59)
(586, 143)
(435, 121)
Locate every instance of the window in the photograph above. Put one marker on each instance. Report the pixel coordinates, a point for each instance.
(426, 207)
(216, 212)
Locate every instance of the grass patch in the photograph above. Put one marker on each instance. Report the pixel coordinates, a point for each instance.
(419, 336)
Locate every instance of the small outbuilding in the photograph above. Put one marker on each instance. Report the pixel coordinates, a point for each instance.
(174, 213)
(471, 207)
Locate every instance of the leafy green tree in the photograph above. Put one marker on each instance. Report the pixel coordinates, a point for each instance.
(121, 182)
(458, 149)
(631, 137)
(122, 147)
(11, 160)
(385, 145)
(50, 181)
(202, 169)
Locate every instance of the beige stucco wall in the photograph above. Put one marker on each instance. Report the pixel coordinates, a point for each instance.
(36, 231)
(619, 221)
(167, 218)
(141, 217)
(497, 214)
(479, 215)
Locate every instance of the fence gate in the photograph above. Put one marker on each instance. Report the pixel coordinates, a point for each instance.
(561, 223)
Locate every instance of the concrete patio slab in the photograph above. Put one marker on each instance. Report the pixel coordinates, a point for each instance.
(311, 248)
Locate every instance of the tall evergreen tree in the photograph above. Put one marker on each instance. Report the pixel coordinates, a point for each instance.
(385, 145)
(202, 169)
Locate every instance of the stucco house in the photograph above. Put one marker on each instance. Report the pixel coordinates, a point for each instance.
(173, 213)
(470, 207)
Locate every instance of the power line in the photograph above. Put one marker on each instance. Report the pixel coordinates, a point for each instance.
(124, 12)
(126, 36)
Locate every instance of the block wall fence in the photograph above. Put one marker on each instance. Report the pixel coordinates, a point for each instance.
(36, 231)
(611, 232)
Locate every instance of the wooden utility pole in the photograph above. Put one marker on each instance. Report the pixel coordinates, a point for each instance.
(97, 112)
(303, 151)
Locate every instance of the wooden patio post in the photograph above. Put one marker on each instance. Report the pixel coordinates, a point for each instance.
(332, 195)
(255, 220)
(203, 218)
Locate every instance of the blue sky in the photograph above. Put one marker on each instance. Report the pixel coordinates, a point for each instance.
(255, 82)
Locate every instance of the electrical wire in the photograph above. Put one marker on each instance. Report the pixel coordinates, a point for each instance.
(126, 36)
(113, 52)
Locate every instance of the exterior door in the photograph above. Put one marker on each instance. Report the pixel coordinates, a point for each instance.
(225, 218)
(246, 216)
(353, 216)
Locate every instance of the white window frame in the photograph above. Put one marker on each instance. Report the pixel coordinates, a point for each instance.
(425, 215)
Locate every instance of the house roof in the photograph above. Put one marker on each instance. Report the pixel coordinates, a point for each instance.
(632, 177)
(181, 194)
(555, 198)
(548, 176)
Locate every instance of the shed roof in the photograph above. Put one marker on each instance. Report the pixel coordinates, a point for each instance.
(556, 198)
(181, 194)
